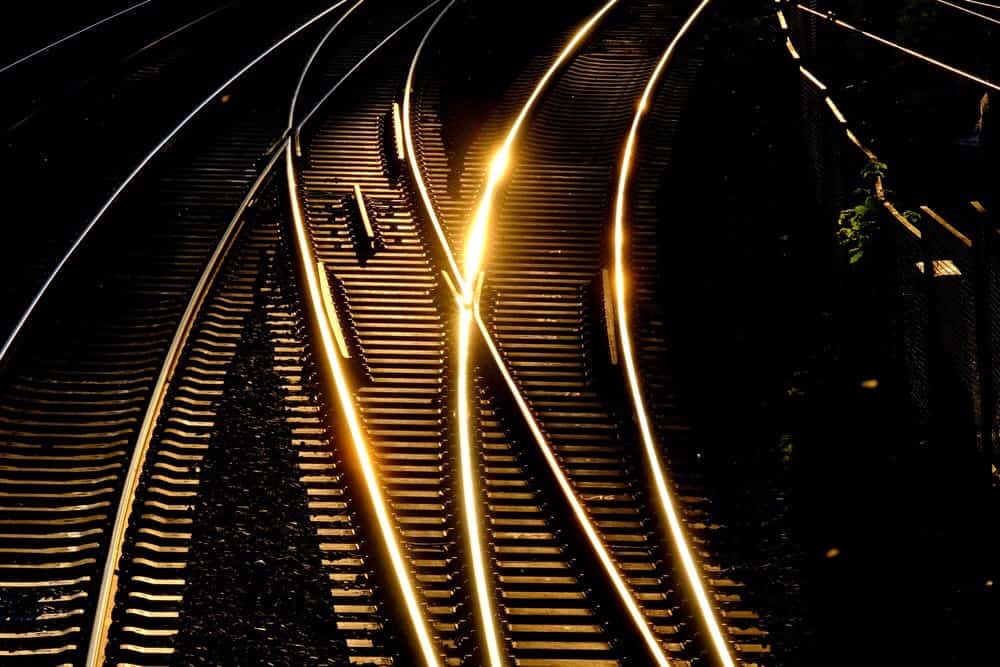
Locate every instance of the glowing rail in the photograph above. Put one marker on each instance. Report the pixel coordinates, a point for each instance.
(312, 58)
(411, 153)
(812, 78)
(138, 169)
(468, 283)
(981, 4)
(486, 612)
(471, 496)
(375, 49)
(333, 347)
(966, 10)
(902, 49)
(109, 581)
(664, 495)
(879, 187)
(936, 217)
(330, 358)
(70, 36)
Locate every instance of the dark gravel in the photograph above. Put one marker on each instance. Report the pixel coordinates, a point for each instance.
(257, 594)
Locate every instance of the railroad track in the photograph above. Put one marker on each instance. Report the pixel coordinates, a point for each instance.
(169, 614)
(241, 419)
(393, 309)
(547, 249)
(288, 409)
(78, 391)
(81, 145)
(74, 398)
(55, 72)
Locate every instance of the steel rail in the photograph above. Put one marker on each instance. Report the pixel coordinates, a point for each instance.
(97, 646)
(312, 58)
(388, 38)
(109, 585)
(331, 357)
(332, 360)
(664, 495)
(469, 481)
(468, 284)
(947, 226)
(66, 38)
(982, 4)
(968, 11)
(19, 326)
(899, 47)
(179, 29)
(880, 195)
(146, 47)
(99, 635)
(486, 612)
(417, 176)
(470, 490)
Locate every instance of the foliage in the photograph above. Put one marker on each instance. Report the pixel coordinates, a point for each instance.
(856, 225)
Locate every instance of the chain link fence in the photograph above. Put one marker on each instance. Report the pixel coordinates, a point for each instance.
(935, 277)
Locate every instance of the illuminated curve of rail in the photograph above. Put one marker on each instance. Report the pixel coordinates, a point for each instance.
(467, 283)
(139, 168)
(77, 33)
(668, 505)
(982, 4)
(332, 359)
(109, 582)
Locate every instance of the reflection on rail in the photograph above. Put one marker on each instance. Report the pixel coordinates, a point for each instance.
(880, 194)
(109, 580)
(333, 353)
(970, 12)
(468, 283)
(9, 342)
(664, 495)
(70, 36)
(899, 47)
(331, 359)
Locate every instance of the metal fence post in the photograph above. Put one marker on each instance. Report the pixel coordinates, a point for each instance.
(932, 329)
(984, 330)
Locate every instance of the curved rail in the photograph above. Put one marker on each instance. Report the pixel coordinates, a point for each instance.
(331, 356)
(471, 509)
(665, 497)
(332, 359)
(109, 581)
(468, 283)
(312, 58)
(388, 38)
(415, 173)
(66, 38)
(8, 343)
(109, 584)
(135, 54)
